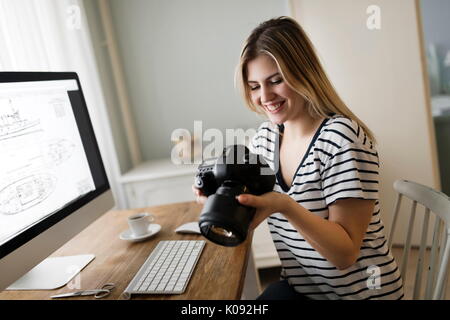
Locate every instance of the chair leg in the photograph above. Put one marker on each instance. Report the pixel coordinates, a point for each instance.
(442, 272)
(394, 220)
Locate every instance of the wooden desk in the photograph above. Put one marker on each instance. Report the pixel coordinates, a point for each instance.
(219, 273)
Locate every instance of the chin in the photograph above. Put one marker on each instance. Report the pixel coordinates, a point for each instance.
(276, 120)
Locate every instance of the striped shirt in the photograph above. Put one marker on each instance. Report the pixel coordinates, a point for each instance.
(341, 162)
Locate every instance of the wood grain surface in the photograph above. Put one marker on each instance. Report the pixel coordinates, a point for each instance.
(219, 274)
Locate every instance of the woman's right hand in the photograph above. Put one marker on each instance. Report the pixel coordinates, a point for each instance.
(201, 198)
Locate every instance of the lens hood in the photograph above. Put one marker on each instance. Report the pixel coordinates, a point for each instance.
(224, 220)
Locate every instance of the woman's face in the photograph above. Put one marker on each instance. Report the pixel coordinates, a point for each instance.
(269, 91)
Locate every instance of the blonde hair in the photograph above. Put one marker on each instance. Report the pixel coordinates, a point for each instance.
(284, 40)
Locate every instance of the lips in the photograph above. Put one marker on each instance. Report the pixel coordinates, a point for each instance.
(275, 107)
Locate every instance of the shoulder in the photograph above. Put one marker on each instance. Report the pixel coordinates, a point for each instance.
(265, 138)
(266, 131)
(267, 128)
(340, 131)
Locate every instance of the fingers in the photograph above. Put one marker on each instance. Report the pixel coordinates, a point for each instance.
(195, 190)
(255, 202)
(250, 200)
(201, 199)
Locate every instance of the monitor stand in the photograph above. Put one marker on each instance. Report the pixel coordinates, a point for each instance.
(53, 273)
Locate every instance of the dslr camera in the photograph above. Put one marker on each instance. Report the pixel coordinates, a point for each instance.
(223, 219)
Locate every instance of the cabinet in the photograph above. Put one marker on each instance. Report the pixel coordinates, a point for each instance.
(264, 252)
(158, 182)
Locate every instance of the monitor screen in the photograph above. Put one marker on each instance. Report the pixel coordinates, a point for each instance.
(50, 164)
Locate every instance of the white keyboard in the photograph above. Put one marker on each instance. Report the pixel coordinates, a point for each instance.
(168, 268)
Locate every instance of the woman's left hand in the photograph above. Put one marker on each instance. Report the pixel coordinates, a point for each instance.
(265, 205)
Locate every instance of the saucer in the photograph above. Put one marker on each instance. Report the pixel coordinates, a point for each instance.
(152, 230)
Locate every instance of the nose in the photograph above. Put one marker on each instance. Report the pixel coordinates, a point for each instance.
(267, 95)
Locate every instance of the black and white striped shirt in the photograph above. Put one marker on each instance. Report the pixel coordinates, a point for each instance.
(340, 163)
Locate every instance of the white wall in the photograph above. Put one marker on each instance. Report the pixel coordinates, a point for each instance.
(379, 74)
(179, 59)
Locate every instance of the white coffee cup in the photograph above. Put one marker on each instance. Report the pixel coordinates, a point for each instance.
(139, 223)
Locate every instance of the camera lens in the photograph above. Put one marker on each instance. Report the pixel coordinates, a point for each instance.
(222, 232)
(224, 220)
(222, 235)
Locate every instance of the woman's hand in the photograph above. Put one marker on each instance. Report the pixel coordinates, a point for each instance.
(201, 198)
(265, 205)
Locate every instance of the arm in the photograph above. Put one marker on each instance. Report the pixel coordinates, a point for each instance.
(337, 239)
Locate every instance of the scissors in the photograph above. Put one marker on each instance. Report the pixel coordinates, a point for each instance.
(104, 291)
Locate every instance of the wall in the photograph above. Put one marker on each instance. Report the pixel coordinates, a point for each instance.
(380, 75)
(179, 59)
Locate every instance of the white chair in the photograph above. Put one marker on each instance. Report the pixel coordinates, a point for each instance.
(438, 203)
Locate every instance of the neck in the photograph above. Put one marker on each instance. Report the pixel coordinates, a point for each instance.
(301, 127)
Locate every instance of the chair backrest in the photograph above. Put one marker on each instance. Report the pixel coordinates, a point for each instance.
(439, 204)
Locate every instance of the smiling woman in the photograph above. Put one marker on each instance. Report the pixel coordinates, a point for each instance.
(271, 93)
(324, 211)
(294, 60)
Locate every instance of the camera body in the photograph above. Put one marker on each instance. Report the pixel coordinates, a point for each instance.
(223, 219)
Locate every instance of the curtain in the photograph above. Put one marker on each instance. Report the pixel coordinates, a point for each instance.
(35, 35)
(53, 35)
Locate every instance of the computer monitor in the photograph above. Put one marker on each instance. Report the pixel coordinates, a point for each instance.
(52, 179)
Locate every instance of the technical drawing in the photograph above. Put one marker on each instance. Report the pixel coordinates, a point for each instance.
(59, 151)
(26, 193)
(59, 107)
(12, 123)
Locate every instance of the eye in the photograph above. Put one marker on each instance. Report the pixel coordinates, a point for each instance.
(277, 81)
(253, 88)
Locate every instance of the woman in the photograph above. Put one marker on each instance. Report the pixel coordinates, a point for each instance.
(324, 213)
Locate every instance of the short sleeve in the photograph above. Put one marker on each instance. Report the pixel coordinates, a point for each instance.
(252, 145)
(351, 172)
(263, 142)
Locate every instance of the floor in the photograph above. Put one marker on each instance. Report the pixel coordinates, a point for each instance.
(269, 275)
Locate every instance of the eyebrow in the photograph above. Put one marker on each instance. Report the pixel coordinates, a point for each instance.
(275, 74)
